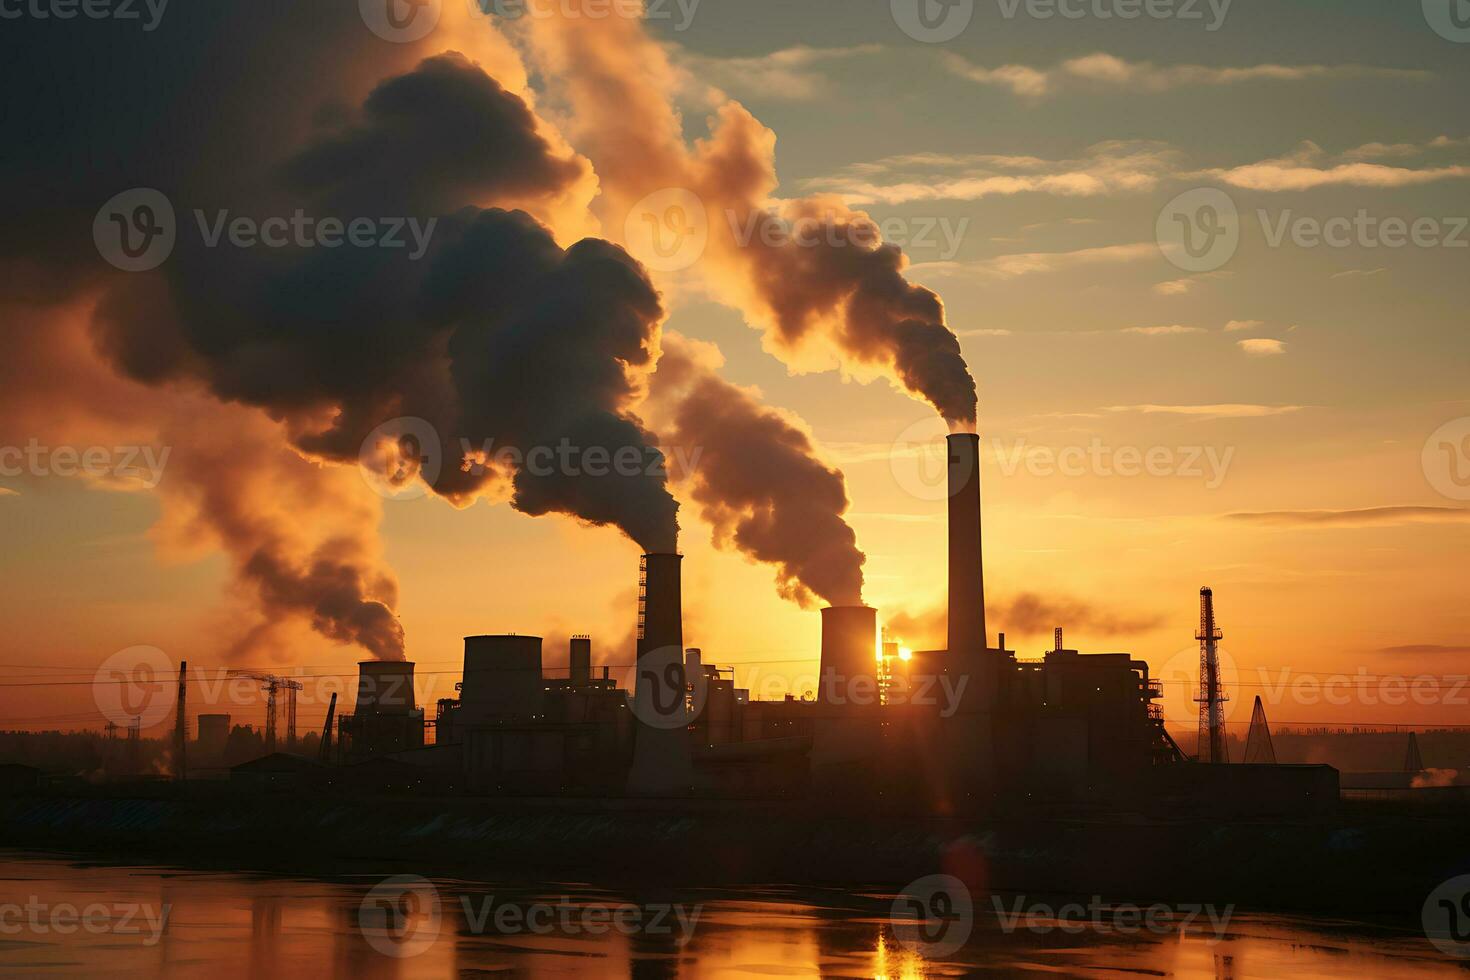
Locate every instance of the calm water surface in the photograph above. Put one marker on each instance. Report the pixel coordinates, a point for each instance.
(63, 918)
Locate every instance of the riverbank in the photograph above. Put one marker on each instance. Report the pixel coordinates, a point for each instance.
(1363, 860)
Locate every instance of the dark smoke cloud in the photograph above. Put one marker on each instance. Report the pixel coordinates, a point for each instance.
(836, 289)
(497, 336)
(844, 280)
(757, 479)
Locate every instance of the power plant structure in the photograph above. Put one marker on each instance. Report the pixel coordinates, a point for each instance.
(1212, 696)
(963, 729)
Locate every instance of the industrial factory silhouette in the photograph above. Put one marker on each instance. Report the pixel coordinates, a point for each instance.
(962, 730)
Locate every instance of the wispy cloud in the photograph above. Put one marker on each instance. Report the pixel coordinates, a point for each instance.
(1262, 346)
(1226, 411)
(1375, 151)
(1369, 517)
(1427, 649)
(1102, 70)
(1235, 325)
(789, 74)
(7, 492)
(1116, 166)
(1169, 331)
(1309, 166)
(1358, 273)
(1032, 263)
(1175, 287)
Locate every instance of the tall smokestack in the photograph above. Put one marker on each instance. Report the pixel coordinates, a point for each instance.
(580, 661)
(662, 765)
(966, 572)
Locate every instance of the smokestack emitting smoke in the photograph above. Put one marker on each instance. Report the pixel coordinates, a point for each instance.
(966, 567)
(477, 321)
(834, 290)
(482, 324)
(662, 763)
(756, 478)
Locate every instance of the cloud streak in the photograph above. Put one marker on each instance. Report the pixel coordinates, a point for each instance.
(1368, 517)
(1102, 71)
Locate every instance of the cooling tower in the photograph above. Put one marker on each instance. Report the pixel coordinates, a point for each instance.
(502, 679)
(385, 687)
(849, 655)
(966, 575)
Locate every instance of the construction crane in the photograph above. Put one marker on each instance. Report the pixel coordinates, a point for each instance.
(272, 686)
(324, 750)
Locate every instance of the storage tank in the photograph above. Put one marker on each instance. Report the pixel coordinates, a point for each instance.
(502, 679)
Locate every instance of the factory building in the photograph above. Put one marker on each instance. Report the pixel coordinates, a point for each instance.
(959, 730)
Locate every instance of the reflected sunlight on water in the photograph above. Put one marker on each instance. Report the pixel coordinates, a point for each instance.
(59, 918)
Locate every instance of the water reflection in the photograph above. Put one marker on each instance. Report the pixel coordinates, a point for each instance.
(68, 919)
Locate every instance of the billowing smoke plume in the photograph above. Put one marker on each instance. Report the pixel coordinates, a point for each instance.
(832, 291)
(756, 478)
(300, 537)
(474, 319)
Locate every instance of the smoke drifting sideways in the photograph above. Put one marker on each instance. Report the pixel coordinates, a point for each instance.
(756, 477)
(496, 335)
(834, 292)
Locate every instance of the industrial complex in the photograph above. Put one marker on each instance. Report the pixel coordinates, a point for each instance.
(959, 730)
